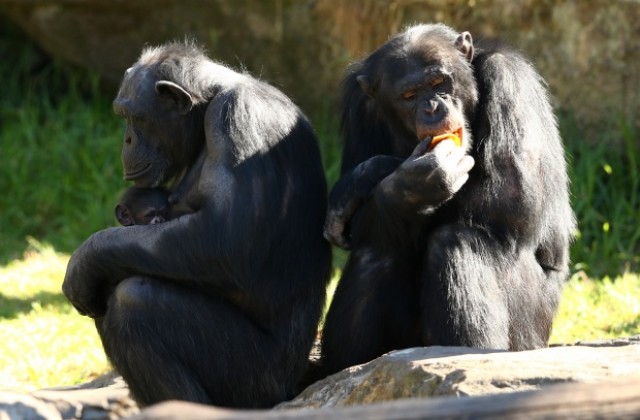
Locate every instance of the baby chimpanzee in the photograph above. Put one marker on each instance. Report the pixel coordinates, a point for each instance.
(148, 206)
(144, 206)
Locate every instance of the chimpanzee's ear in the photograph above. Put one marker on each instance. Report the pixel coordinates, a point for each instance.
(123, 215)
(176, 94)
(365, 85)
(464, 44)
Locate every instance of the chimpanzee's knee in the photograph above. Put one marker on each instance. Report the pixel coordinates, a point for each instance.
(133, 293)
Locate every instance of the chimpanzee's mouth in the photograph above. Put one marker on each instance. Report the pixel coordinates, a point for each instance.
(136, 174)
(455, 135)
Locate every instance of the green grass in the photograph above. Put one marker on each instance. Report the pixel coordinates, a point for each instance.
(605, 184)
(45, 342)
(60, 170)
(591, 310)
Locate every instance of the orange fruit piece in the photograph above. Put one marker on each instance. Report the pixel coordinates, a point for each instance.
(451, 136)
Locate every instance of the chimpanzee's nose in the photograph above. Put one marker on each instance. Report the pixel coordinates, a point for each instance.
(434, 111)
(431, 107)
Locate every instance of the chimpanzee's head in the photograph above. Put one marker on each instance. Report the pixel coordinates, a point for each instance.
(422, 84)
(164, 118)
(143, 206)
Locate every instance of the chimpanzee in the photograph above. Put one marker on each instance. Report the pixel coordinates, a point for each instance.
(453, 200)
(143, 206)
(218, 306)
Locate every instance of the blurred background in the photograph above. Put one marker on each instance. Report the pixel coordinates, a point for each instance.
(60, 174)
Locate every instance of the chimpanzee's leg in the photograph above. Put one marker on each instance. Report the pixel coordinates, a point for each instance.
(374, 310)
(481, 293)
(465, 294)
(172, 343)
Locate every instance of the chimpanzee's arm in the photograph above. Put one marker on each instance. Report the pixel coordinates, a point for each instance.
(350, 192)
(406, 198)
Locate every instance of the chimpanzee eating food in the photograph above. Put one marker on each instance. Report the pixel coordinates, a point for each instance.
(453, 200)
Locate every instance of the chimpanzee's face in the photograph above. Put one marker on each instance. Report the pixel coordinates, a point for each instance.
(143, 206)
(425, 91)
(159, 138)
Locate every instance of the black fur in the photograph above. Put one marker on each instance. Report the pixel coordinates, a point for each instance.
(219, 306)
(438, 259)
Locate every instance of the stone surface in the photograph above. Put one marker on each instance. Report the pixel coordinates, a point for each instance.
(22, 406)
(586, 50)
(611, 400)
(106, 397)
(459, 371)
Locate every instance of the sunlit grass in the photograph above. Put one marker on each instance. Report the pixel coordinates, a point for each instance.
(45, 343)
(593, 310)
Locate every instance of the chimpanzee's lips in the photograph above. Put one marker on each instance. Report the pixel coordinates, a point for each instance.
(455, 135)
(136, 174)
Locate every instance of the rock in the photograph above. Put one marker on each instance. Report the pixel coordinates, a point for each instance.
(459, 371)
(585, 381)
(106, 397)
(615, 342)
(587, 51)
(22, 406)
(613, 400)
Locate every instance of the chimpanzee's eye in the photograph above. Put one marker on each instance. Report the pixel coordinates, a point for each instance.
(408, 95)
(437, 81)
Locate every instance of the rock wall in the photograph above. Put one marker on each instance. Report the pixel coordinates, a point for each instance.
(587, 50)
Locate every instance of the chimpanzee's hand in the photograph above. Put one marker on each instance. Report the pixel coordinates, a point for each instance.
(426, 179)
(82, 284)
(350, 192)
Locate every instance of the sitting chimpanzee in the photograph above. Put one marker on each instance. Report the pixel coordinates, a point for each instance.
(218, 306)
(453, 200)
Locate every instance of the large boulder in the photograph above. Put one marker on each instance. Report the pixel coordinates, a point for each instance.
(587, 50)
(601, 380)
(459, 371)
